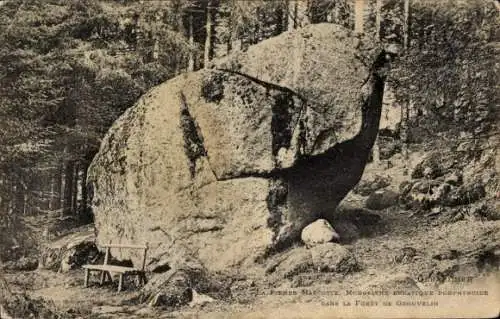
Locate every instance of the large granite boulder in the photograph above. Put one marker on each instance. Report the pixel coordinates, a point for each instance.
(229, 164)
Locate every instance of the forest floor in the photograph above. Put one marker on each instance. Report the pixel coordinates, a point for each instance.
(431, 254)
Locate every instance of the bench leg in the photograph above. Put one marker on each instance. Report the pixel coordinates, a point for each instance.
(86, 280)
(103, 277)
(120, 283)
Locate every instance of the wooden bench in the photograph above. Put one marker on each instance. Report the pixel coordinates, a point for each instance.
(106, 269)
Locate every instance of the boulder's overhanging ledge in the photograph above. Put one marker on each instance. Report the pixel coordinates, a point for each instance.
(219, 166)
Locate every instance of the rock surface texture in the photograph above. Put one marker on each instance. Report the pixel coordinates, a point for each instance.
(231, 163)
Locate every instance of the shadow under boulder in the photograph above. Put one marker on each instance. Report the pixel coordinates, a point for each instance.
(353, 223)
(382, 199)
(367, 187)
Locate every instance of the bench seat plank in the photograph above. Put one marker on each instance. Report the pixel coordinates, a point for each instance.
(113, 268)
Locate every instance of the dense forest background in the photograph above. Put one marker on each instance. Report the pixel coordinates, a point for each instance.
(68, 69)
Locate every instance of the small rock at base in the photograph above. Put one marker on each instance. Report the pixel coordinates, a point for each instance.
(319, 232)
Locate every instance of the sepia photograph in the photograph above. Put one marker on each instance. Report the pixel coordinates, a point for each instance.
(249, 159)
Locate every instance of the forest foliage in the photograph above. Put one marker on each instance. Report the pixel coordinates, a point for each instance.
(68, 69)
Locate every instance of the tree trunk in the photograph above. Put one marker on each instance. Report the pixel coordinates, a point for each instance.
(302, 13)
(285, 13)
(156, 48)
(359, 16)
(298, 13)
(237, 44)
(52, 194)
(229, 43)
(280, 21)
(407, 104)
(7, 200)
(26, 210)
(256, 31)
(68, 187)
(404, 134)
(62, 188)
(406, 24)
(378, 17)
(74, 190)
(59, 200)
(83, 185)
(230, 40)
(376, 151)
(208, 39)
(156, 37)
(3, 193)
(18, 191)
(191, 42)
(293, 9)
